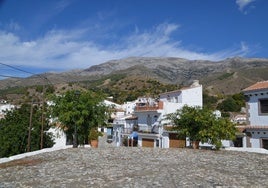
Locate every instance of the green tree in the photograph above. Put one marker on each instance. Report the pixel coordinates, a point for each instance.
(239, 99)
(14, 129)
(209, 101)
(202, 125)
(229, 105)
(79, 112)
(232, 103)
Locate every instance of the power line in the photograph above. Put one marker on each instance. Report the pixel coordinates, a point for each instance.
(28, 72)
(6, 76)
(10, 66)
(30, 123)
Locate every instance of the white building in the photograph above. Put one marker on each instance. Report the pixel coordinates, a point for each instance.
(129, 107)
(151, 114)
(256, 131)
(5, 107)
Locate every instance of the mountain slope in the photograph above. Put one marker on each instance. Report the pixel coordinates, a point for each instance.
(227, 76)
(222, 77)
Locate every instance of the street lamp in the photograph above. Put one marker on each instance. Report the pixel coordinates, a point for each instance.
(75, 140)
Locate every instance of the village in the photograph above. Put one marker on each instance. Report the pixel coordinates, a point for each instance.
(140, 150)
(154, 130)
(143, 123)
(155, 93)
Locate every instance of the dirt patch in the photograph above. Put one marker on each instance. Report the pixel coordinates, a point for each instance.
(21, 162)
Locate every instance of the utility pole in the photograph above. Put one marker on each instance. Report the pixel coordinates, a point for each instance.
(30, 124)
(42, 120)
(75, 139)
(30, 129)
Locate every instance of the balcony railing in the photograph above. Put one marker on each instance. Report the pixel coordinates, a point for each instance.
(149, 107)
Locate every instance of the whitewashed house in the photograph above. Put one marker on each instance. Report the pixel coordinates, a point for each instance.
(122, 121)
(240, 119)
(256, 131)
(4, 106)
(129, 107)
(151, 114)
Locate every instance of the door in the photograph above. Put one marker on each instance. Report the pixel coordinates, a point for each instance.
(238, 142)
(147, 142)
(265, 143)
(175, 142)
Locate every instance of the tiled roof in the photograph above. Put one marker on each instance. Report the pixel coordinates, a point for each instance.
(260, 127)
(252, 127)
(257, 86)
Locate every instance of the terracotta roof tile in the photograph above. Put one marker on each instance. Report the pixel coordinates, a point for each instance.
(257, 86)
(260, 127)
(251, 127)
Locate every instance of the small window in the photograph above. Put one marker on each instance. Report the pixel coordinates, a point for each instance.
(149, 120)
(168, 98)
(263, 106)
(157, 143)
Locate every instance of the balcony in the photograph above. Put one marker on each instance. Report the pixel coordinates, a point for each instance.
(149, 107)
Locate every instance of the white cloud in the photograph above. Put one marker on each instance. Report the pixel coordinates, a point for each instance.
(61, 5)
(243, 3)
(13, 26)
(64, 50)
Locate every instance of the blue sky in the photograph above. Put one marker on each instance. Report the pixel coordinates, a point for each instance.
(60, 35)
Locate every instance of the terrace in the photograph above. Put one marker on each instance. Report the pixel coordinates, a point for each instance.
(153, 106)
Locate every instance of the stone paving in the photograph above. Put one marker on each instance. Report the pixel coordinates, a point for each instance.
(137, 167)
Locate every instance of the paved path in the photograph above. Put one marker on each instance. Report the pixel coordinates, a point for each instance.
(137, 167)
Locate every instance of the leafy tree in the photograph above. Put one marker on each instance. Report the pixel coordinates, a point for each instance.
(14, 129)
(218, 129)
(209, 101)
(202, 125)
(79, 112)
(232, 103)
(229, 105)
(239, 99)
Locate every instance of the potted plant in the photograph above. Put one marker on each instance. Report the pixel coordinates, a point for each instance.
(93, 137)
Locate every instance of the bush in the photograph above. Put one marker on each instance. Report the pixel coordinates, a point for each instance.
(94, 134)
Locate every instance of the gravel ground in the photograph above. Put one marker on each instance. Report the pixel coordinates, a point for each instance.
(137, 167)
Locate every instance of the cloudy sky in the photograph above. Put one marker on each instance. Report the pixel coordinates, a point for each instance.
(59, 35)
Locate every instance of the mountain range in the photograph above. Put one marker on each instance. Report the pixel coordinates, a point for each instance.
(228, 76)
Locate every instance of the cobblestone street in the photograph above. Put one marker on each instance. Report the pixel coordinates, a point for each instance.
(137, 167)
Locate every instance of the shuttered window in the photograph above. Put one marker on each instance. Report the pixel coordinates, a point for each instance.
(263, 106)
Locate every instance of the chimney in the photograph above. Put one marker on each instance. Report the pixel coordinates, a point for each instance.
(195, 83)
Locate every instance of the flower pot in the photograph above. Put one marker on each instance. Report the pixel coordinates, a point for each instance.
(94, 143)
(195, 144)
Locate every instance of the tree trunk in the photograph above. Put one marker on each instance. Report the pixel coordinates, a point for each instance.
(195, 144)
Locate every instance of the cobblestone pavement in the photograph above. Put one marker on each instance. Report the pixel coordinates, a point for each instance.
(137, 167)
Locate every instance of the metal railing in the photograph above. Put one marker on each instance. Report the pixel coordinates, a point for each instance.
(149, 107)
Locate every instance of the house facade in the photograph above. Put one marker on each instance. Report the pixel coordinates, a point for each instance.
(5, 107)
(150, 115)
(256, 131)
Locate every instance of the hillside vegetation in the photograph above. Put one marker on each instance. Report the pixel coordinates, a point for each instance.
(127, 79)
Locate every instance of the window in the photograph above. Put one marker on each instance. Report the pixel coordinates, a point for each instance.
(149, 120)
(155, 118)
(263, 106)
(168, 98)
